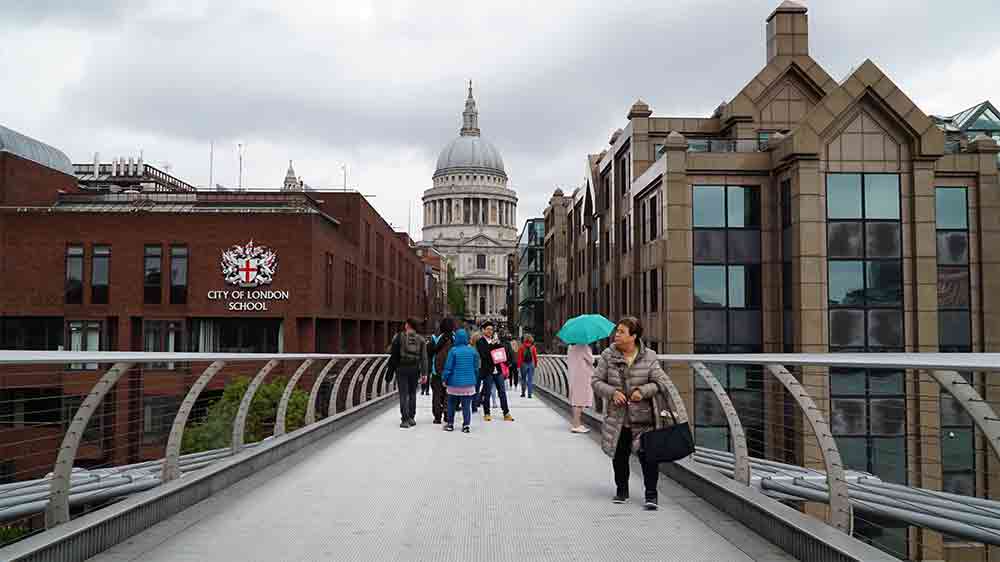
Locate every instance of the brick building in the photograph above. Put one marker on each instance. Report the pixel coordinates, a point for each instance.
(125, 257)
(805, 214)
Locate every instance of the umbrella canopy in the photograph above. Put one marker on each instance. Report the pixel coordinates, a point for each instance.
(585, 329)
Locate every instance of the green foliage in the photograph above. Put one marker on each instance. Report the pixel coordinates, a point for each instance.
(11, 534)
(456, 295)
(215, 431)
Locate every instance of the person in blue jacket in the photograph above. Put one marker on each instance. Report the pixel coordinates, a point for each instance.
(460, 372)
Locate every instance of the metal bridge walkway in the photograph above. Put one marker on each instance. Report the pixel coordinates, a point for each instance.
(527, 490)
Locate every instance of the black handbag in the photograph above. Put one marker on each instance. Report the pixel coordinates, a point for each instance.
(667, 444)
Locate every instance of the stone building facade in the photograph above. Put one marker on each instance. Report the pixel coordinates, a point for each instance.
(803, 215)
(470, 217)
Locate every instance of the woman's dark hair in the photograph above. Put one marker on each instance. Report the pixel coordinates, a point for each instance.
(447, 326)
(633, 325)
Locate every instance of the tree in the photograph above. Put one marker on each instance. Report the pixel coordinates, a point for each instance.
(216, 430)
(456, 295)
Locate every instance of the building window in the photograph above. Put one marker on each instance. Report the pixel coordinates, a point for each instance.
(958, 454)
(32, 333)
(654, 290)
(329, 279)
(20, 406)
(480, 261)
(152, 275)
(100, 274)
(74, 275)
(178, 274)
(727, 307)
(865, 290)
(158, 413)
(657, 151)
(163, 336)
(84, 335)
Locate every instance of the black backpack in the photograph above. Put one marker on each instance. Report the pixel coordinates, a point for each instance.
(409, 349)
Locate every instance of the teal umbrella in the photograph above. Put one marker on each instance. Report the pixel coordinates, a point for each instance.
(585, 329)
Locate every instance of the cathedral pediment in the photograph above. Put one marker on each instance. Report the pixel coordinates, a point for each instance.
(481, 241)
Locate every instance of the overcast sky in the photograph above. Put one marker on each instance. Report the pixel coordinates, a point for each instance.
(380, 86)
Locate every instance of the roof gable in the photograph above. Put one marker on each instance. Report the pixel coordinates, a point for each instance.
(481, 240)
(805, 70)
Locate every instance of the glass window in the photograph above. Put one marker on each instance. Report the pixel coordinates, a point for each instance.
(887, 417)
(957, 448)
(744, 246)
(888, 460)
(710, 327)
(480, 261)
(885, 283)
(885, 382)
(845, 240)
(709, 206)
(953, 287)
(848, 416)
(709, 286)
(847, 328)
(843, 196)
(152, 274)
(74, 275)
(743, 207)
(744, 327)
(847, 381)
(882, 240)
(952, 208)
(952, 247)
(882, 196)
(710, 246)
(885, 328)
(100, 275)
(179, 274)
(954, 328)
(846, 283)
(744, 286)
(712, 437)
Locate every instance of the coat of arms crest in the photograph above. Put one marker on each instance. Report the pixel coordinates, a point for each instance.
(249, 265)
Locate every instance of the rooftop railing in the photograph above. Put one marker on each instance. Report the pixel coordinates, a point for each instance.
(879, 446)
(726, 145)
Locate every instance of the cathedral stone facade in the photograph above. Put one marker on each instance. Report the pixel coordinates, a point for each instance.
(470, 217)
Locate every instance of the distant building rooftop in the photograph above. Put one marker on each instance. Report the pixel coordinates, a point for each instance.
(28, 148)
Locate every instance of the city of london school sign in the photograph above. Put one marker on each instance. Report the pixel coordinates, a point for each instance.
(246, 268)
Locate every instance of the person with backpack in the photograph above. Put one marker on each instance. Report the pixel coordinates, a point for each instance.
(459, 375)
(438, 354)
(496, 361)
(408, 360)
(527, 358)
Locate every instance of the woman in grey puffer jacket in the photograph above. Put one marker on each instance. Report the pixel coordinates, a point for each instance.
(629, 377)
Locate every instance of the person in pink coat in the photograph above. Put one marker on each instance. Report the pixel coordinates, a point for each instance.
(581, 395)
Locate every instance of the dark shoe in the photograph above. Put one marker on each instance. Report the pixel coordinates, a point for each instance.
(437, 421)
(405, 424)
(650, 503)
(449, 427)
(620, 498)
(412, 422)
(465, 429)
(522, 395)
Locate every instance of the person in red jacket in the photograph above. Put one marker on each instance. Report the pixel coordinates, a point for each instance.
(527, 358)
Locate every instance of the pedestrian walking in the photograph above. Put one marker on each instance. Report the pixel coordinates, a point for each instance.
(527, 358)
(581, 372)
(496, 362)
(438, 351)
(629, 377)
(408, 362)
(459, 375)
(516, 376)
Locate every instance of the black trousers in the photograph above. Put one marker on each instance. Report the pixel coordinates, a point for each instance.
(439, 397)
(650, 471)
(408, 380)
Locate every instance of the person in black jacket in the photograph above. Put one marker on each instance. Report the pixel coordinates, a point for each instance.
(408, 360)
(437, 351)
(493, 372)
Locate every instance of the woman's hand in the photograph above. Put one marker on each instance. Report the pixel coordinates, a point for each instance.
(636, 396)
(619, 398)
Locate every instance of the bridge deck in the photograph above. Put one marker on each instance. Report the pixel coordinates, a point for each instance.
(527, 490)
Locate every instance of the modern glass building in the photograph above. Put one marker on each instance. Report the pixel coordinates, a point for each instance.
(805, 215)
(531, 280)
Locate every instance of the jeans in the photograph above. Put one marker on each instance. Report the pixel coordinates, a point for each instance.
(528, 376)
(492, 383)
(650, 471)
(453, 402)
(408, 381)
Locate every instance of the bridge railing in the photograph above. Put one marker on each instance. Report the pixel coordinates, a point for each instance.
(898, 449)
(81, 429)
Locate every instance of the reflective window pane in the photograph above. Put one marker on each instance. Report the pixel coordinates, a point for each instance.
(888, 416)
(952, 209)
(843, 196)
(743, 209)
(744, 327)
(889, 459)
(957, 450)
(744, 246)
(953, 248)
(952, 412)
(740, 374)
(953, 287)
(844, 240)
(709, 246)
(847, 381)
(882, 240)
(709, 286)
(847, 284)
(710, 326)
(847, 328)
(749, 407)
(744, 286)
(709, 206)
(959, 483)
(718, 370)
(712, 438)
(954, 328)
(848, 416)
(885, 328)
(885, 283)
(853, 452)
(882, 196)
(707, 409)
(885, 382)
